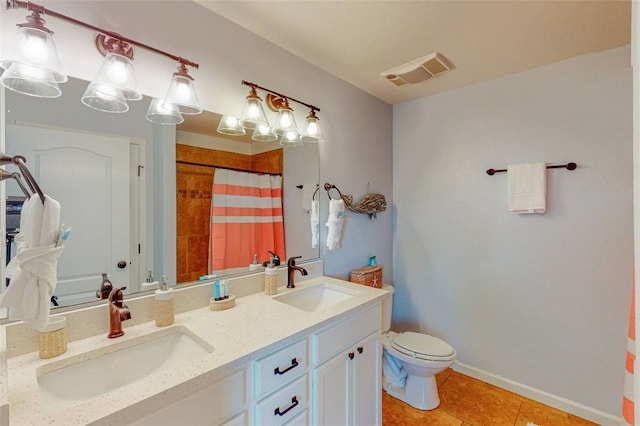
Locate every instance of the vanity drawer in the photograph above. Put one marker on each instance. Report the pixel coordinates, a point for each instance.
(345, 333)
(280, 367)
(301, 419)
(284, 404)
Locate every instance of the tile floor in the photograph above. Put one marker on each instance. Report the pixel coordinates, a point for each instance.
(465, 401)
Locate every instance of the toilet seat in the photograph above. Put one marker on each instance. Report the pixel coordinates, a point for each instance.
(422, 346)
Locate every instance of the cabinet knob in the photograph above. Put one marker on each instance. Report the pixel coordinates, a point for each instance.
(360, 349)
(351, 355)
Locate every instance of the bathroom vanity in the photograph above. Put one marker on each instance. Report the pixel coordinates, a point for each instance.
(309, 355)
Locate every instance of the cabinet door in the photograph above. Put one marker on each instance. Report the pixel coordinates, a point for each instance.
(332, 398)
(366, 381)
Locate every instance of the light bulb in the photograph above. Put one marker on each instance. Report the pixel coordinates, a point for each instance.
(36, 48)
(285, 121)
(182, 91)
(118, 71)
(312, 128)
(231, 121)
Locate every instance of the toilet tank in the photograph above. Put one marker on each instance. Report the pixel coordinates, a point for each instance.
(387, 307)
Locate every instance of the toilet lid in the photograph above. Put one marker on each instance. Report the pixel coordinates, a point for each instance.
(423, 344)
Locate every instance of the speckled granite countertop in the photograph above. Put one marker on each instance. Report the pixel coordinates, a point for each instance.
(256, 326)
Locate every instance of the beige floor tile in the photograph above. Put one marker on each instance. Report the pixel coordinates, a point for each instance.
(477, 403)
(397, 413)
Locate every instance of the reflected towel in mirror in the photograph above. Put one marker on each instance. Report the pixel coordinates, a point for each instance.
(314, 219)
(334, 224)
(33, 271)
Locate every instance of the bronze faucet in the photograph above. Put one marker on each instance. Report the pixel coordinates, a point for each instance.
(105, 288)
(291, 269)
(118, 312)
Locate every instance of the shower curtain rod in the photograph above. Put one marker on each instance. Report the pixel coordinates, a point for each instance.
(191, 163)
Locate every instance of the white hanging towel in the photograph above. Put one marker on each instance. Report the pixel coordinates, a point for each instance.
(308, 189)
(314, 219)
(33, 271)
(527, 184)
(334, 224)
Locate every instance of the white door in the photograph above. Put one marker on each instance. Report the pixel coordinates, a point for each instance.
(89, 175)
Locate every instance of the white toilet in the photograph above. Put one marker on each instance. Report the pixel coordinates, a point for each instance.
(421, 355)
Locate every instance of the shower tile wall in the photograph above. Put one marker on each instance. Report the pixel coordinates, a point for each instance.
(193, 186)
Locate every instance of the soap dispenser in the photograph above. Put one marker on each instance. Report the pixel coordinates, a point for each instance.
(255, 265)
(150, 283)
(164, 305)
(271, 279)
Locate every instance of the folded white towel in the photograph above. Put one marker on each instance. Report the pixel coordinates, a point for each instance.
(527, 184)
(33, 271)
(314, 219)
(308, 189)
(334, 223)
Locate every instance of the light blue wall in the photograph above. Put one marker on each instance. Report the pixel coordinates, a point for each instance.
(541, 300)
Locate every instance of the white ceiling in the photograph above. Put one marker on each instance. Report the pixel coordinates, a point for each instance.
(357, 40)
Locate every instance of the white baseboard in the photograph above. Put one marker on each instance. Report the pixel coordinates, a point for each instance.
(572, 407)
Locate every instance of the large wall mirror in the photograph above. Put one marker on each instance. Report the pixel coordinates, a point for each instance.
(138, 196)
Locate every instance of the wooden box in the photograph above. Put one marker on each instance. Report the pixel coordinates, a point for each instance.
(369, 275)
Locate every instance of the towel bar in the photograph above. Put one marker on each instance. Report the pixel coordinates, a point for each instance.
(568, 166)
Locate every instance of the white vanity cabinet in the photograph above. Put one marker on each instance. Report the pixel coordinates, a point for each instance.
(223, 402)
(281, 385)
(346, 380)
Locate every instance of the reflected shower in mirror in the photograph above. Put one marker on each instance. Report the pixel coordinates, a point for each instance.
(132, 199)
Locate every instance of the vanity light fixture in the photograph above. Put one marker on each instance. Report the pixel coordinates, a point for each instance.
(253, 114)
(31, 66)
(313, 132)
(285, 128)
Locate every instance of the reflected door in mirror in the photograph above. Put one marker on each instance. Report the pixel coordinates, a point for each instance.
(89, 176)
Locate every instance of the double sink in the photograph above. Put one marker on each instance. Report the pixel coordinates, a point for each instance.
(70, 381)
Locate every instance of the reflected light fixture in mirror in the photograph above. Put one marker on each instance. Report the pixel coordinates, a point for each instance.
(162, 112)
(31, 67)
(105, 98)
(264, 133)
(31, 62)
(230, 125)
(290, 138)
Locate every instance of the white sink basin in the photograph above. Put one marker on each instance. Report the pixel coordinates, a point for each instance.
(95, 373)
(312, 299)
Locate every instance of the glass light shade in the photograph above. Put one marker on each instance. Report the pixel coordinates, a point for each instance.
(105, 98)
(253, 113)
(230, 125)
(313, 132)
(285, 121)
(30, 81)
(290, 138)
(36, 49)
(165, 113)
(182, 93)
(264, 133)
(117, 72)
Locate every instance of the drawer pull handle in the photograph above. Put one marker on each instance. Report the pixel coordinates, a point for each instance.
(294, 404)
(294, 364)
(360, 349)
(351, 355)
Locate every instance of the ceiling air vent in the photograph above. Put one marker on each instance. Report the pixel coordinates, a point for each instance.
(418, 70)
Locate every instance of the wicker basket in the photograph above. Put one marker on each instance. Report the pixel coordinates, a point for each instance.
(221, 305)
(369, 275)
(53, 341)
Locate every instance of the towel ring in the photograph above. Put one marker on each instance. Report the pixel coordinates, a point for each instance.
(313, 197)
(328, 187)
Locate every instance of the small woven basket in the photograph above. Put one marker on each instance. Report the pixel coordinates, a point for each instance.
(53, 343)
(221, 305)
(369, 275)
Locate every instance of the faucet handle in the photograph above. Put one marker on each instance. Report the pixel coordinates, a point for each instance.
(292, 260)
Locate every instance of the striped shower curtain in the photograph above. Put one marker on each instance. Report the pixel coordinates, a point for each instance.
(628, 398)
(246, 219)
